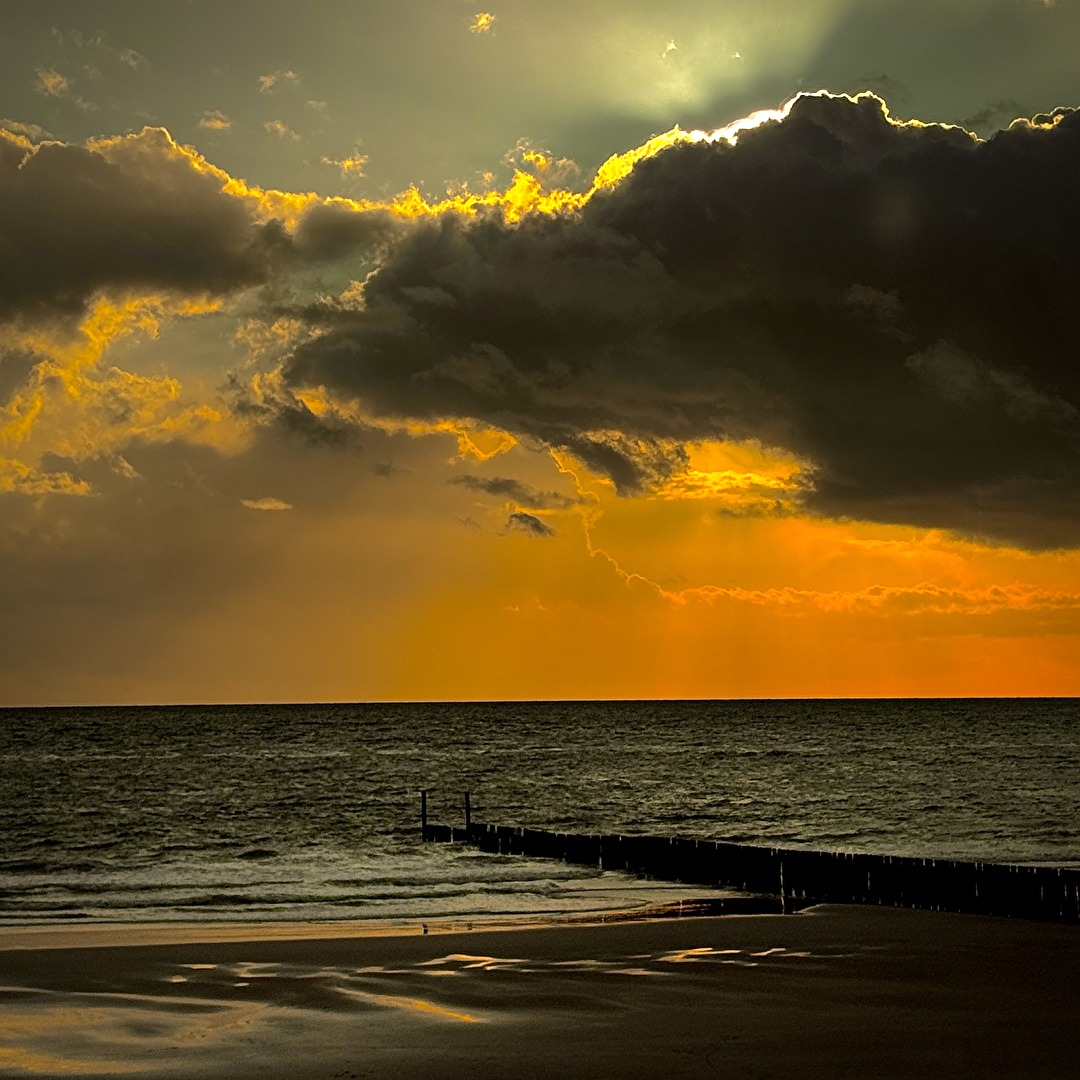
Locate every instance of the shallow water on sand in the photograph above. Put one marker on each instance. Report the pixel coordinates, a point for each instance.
(311, 811)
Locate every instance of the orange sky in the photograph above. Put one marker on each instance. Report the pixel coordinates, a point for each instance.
(679, 600)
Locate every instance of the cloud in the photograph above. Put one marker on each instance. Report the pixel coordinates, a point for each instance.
(139, 219)
(889, 302)
(553, 170)
(1055, 609)
(214, 120)
(51, 83)
(280, 130)
(333, 230)
(132, 58)
(519, 521)
(135, 212)
(75, 43)
(32, 132)
(504, 487)
(59, 400)
(266, 504)
(351, 165)
(18, 478)
(15, 365)
(268, 84)
(387, 470)
(263, 402)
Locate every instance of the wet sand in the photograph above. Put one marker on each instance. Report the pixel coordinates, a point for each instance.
(833, 992)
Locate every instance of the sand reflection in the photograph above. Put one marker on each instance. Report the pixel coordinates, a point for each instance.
(200, 1010)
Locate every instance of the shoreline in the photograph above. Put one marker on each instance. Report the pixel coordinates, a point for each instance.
(832, 992)
(86, 935)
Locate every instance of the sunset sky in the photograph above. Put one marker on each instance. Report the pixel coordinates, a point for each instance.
(429, 350)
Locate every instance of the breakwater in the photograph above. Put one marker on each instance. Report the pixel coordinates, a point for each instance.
(797, 877)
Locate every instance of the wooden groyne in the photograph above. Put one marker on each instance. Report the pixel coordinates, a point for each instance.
(1049, 894)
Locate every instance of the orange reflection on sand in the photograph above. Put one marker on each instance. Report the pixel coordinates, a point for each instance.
(32, 1061)
(118, 1034)
(47, 1025)
(685, 956)
(426, 1007)
(466, 961)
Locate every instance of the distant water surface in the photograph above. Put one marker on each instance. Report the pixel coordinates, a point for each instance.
(312, 811)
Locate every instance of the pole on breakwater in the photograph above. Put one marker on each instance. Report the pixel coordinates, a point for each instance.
(434, 833)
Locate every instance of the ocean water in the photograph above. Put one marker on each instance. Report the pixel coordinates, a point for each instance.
(278, 812)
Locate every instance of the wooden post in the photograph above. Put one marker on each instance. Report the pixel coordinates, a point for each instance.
(423, 814)
(468, 814)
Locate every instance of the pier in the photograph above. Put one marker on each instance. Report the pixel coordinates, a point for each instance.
(798, 877)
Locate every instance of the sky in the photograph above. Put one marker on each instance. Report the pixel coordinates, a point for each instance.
(442, 351)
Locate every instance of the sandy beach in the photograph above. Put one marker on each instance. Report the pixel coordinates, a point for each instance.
(831, 992)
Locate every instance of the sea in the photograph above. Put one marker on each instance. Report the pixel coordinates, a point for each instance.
(312, 812)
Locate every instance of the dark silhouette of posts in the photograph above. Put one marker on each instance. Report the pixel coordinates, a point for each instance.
(800, 876)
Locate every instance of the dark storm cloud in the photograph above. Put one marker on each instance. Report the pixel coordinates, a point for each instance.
(138, 213)
(15, 366)
(519, 521)
(134, 213)
(288, 415)
(505, 487)
(330, 231)
(894, 303)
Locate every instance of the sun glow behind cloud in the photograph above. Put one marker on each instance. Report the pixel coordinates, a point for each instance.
(526, 193)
